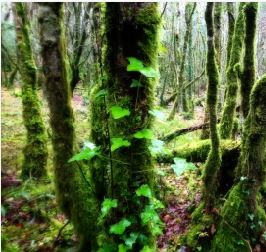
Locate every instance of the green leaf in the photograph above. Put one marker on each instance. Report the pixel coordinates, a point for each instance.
(120, 227)
(119, 112)
(147, 249)
(108, 248)
(157, 204)
(101, 93)
(118, 143)
(145, 191)
(156, 147)
(158, 114)
(135, 83)
(107, 205)
(149, 215)
(122, 248)
(182, 165)
(86, 154)
(156, 229)
(149, 72)
(145, 133)
(89, 145)
(131, 239)
(134, 65)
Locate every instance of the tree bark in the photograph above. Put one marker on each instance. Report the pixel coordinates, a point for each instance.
(35, 151)
(74, 194)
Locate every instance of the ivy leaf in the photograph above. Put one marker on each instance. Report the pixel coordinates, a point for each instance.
(181, 165)
(122, 248)
(118, 143)
(107, 205)
(147, 249)
(149, 72)
(135, 83)
(156, 147)
(119, 112)
(145, 191)
(145, 133)
(108, 248)
(120, 227)
(149, 215)
(86, 154)
(157, 204)
(158, 114)
(89, 145)
(131, 239)
(134, 65)
(101, 93)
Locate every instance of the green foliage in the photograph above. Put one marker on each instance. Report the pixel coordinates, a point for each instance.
(118, 143)
(182, 165)
(135, 65)
(156, 147)
(145, 191)
(147, 249)
(122, 248)
(120, 227)
(107, 205)
(118, 112)
(144, 133)
(129, 241)
(86, 154)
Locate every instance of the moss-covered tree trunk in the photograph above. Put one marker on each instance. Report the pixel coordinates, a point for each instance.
(232, 76)
(35, 151)
(214, 158)
(247, 75)
(74, 194)
(218, 7)
(180, 98)
(242, 217)
(131, 31)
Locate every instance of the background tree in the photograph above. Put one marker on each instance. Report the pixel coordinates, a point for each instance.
(35, 151)
(232, 76)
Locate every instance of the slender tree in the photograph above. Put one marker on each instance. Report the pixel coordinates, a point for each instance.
(35, 151)
(180, 92)
(241, 213)
(214, 158)
(232, 76)
(247, 74)
(74, 192)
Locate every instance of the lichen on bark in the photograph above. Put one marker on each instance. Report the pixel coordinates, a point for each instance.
(35, 151)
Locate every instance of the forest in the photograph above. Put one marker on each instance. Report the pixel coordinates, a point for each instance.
(133, 126)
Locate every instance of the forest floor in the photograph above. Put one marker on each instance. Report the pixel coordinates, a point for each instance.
(31, 220)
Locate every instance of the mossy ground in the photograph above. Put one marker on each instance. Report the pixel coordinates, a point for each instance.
(31, 218)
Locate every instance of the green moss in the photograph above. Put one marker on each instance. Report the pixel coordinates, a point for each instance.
(35, 151)
(74, 187)
(241, 213)
(131, 31)
(212, 166)
(248, 73)
(232, 77)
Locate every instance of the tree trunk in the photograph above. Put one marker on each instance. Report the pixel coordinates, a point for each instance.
(241, 213)
(74, 195)
(212, 166)
(232, 76)
(131, 31)
(248, 73)
(180, 96)
(35, 151)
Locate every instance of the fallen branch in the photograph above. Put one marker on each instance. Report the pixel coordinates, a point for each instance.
(179, 132)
